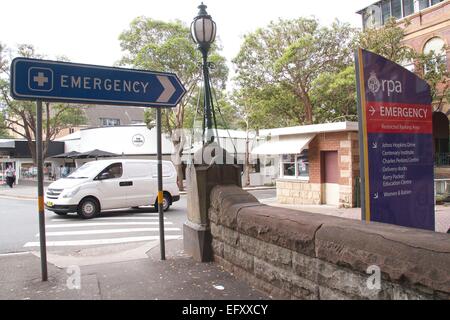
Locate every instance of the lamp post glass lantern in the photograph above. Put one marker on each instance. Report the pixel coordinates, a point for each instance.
(203, 31)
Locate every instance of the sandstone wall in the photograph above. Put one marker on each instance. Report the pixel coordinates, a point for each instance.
(299, 255)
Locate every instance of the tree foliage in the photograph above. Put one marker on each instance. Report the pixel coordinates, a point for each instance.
(167, 47)
(277, 66)
(19, 117)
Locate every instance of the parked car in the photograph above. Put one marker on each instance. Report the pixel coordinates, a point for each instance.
(111, 184)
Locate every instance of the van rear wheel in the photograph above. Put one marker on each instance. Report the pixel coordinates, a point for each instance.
(166, 202)
(88, 208)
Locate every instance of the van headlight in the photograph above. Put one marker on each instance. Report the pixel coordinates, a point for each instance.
(70, 193)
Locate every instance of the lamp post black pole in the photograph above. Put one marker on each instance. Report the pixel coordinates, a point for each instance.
(203, 30)
(207, 96)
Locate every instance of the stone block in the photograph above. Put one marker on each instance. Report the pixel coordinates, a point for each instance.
(285, 228)
(345, 174)
(330, 294)
(238, 257)
(416, 259)
(230, 236)
(268, 252)
(345, 159)
(217, 246)
(216, 231)
(350, 282)
(299, 287)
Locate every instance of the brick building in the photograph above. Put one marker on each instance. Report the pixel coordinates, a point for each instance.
(428, 29)
(318, 164)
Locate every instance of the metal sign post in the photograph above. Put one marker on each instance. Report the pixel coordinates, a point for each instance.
(39, 158)
(160, 185)
(55, 81)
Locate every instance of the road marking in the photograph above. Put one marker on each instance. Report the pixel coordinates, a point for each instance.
(104, 231)
(100, 241)
(14, 254)
(100, 224)
(109, 218)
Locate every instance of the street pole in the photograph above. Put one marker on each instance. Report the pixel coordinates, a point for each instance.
(207, 96)
(39, 158)
(160, 184)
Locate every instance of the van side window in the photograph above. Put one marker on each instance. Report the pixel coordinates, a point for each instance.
(114, 171)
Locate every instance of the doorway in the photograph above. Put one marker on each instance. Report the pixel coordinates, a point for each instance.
(330, 177)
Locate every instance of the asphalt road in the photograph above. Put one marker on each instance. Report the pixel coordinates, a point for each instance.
(19, 226)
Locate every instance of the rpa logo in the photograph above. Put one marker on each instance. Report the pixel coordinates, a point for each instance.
(374, 85)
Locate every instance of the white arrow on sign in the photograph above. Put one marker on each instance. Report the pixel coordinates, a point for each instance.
(372, 110)
(374, 145)
(169, 89)
(375, 196)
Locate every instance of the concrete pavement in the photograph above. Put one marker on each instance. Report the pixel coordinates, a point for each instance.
(177, 278)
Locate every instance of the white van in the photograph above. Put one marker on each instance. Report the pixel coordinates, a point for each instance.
(112, 184)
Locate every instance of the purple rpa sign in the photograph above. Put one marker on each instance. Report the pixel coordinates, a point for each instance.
(395, 122)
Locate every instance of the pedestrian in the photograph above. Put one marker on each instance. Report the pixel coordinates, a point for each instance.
(10, 176)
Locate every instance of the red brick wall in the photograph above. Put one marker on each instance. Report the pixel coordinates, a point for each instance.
(324, 142)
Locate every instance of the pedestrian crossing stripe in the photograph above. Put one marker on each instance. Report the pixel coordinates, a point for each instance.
(94, 242)
(109, 218)
(100, 224)
(104, 231)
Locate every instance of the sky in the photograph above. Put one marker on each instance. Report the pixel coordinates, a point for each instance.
(87, 31)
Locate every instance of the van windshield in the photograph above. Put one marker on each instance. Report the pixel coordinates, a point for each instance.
(85, 171)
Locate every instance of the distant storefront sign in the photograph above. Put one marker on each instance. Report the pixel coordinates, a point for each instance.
(396, 134)
(138, 140)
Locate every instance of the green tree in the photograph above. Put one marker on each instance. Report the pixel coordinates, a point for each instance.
(3, 132)
(278, 65)
(387, 42)
(19, 117)
(167, 46)
(334, 96)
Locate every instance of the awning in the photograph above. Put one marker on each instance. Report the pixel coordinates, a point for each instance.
(284, 145)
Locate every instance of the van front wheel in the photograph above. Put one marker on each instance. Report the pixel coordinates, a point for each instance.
(88, 208)
(166, 202)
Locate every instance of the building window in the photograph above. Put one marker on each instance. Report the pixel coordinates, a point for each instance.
(433, 2)
(71, 130)
(408, 64)
(408, 7)
(437, 46)
(303, 165)
(423, 4)
(295, 166)
(386, 11)
(288, 165)
(396, 6)
(108, 122)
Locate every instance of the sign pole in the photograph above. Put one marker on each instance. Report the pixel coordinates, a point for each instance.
(39, 158)
(361, 124)
(160, 184)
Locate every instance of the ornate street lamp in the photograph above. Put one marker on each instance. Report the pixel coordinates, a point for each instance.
(203, 31)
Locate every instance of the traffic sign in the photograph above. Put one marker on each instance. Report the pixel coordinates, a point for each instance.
(396, 143)
(55, 81)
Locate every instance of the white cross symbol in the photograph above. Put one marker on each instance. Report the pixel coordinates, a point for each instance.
(40, 79)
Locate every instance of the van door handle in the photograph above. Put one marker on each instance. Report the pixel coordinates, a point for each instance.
(126, 183)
